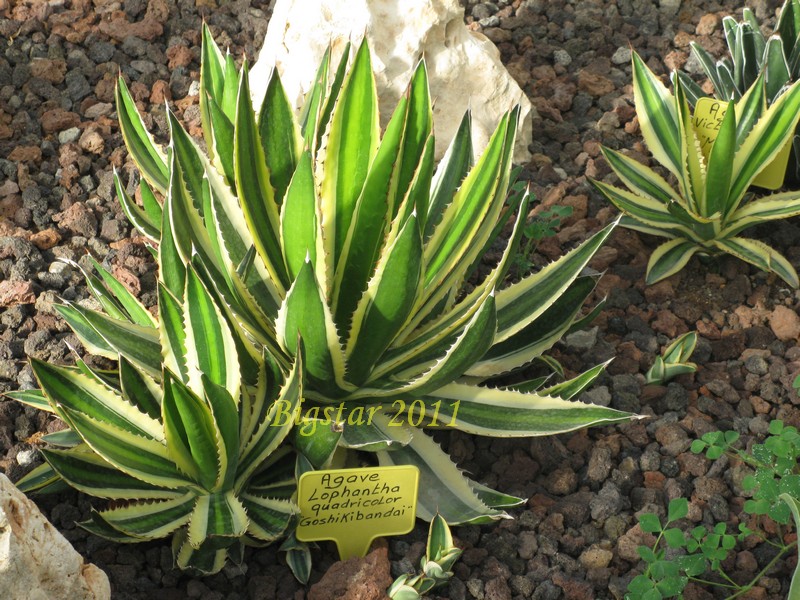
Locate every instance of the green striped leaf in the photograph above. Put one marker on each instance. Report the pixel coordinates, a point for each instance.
(507, 413)
(641, 179)
(212, 79)
(387, 302)
(352, 144)
(520, 303)
(72, 390)
(172, 333)
(658, 117)
(767, 208)
(442, 487)
(775, 67)
(761, 255)
(207, 559)
(191, 434)
(140, 390)
(268, 517)
(306, 313)
(256, 195)
(40, 480)
(151, 228)
(210, 346)
(225, 418)
(91, 340)
(720, 165)
(452, 170)
(134, 309)
(150, 159)
(150, 520)
(669, 258)
(34, 398)
(137, 456)
(299, 217)
(216, 515)
(280, 135)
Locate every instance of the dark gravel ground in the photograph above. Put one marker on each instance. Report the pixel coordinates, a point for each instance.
(576, 537)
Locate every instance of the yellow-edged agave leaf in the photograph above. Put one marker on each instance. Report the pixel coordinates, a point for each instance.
(305, 312)
(768, 208)
(749, 109)
(720, 166)
(352, 144)
(299, 217)
(34, 398)
(87, 472)
(669, 258)
(693, 175)
(192, 434)
(172, 333)
(540, 335)
(268, 517)
(151, 159)
(507, 413)
(442, 487)
(216, 515)
(520, 303)
(280, 135)
(137, 456)
(658, 117)
(372, 436)
(147, 226)
(643, 179)
(225, 418)
(212, 78)
(139, 390)
(761, 255)
(149, 520)
(208, 558)
(256, 195)
(765, 140)
(210, 345)
(41, 479)
(387, 302)
(274, 427)
(131, 307)
(91, 340)
(77, 392)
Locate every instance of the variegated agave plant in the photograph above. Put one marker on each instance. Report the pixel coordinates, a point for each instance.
(355, 241)
(712, 204)
(186, 437)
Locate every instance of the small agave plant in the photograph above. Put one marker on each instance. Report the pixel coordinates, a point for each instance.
(320, 226)
(185, 439)
(712, 203)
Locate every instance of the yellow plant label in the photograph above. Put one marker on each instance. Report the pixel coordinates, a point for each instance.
(354, 506)
(707, 119)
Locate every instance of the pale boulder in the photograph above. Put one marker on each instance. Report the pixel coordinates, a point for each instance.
(464, 66)
(36, 561)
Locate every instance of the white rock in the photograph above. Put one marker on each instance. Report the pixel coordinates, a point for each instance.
(36, 561)
(464, 67)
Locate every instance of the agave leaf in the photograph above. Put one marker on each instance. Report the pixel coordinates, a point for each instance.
(268, 518)
(224, 410)
(693, 176)
(144, 223)
(88, 335)
(172, 333)
(150, 520)
(148, 156)
(317, 439)
(387, 302)
(442, 488)
(210, 346)
(140, 390)
(140, 457)
(216, 515)
(66, 389)
(763, 143)
(575, 386)
(761, 255)
(66, 438)
(508, 413)
(314, 103)
(643, 180)
(352, 144)
(134, 309)
(767, 208)
(40, 480)
(212, 77)
(777, 74)
(299, 217)
(658, 117)
(191, 433)
(273, 428)
(669, 258)
(256, 194)
(34, 398)
(709, 66)
(720, 166)
(280, 136)
(208, 558)
(794, 506)
(452, 170)
(520, 303)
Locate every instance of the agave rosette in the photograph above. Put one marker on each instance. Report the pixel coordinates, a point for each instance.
(320, 226)
(712, 203)
(185, 439)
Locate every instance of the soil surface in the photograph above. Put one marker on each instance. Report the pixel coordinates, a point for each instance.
(576, 537)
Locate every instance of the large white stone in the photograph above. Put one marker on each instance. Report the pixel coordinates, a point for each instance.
(464, 66)
(36, 561)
